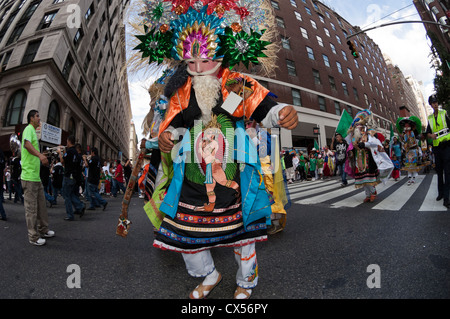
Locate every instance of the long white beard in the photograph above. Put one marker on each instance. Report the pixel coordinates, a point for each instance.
(207, 90)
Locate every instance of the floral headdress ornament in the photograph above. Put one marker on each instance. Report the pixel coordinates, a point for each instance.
(228, 30)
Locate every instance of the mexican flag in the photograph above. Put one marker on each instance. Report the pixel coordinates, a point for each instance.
(344, 124)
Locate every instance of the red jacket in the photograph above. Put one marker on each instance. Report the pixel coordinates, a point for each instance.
(118, 175)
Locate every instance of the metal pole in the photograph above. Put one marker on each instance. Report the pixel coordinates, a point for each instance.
(394, 23)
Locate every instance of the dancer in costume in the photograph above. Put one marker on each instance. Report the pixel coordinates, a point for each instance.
(371, 165)
(410, 128)
(211, 37)
(268, 151)
(158, 173)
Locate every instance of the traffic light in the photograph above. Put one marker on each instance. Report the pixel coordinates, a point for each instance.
(352, 48)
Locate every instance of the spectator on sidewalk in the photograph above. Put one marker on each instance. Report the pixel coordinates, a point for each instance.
(34, 199)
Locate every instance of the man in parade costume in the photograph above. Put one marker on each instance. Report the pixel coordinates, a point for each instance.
(411, 129)
(371, 165)
(220, 202)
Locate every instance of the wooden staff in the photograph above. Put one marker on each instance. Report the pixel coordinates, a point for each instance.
(124, 223)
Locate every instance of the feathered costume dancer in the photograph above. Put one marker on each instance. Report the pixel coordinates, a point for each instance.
(217, 196)
(410, 129)
(370, 163)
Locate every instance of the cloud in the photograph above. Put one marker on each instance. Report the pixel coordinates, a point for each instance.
(407, 46)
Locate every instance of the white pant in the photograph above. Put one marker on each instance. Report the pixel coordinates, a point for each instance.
(202, 264)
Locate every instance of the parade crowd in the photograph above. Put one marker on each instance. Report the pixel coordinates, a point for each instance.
(91, 181)
(330, 161)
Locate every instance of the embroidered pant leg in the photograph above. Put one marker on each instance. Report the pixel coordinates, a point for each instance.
(247, 274)
(370, 190)
(199, 265)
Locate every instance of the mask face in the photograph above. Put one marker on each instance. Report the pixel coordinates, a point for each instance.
(203, 67)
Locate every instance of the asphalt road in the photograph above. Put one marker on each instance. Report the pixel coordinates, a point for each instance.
(323, 253)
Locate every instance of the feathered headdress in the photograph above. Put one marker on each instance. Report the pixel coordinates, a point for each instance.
(233, 31)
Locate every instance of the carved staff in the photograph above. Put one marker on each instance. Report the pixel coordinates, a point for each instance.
(124, 223)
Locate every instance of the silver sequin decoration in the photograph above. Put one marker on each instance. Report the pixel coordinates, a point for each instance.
(242, 46)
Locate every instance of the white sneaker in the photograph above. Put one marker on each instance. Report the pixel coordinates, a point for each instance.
(39, 242)
(49, 234)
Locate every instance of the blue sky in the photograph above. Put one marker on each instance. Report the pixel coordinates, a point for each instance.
(406, 45)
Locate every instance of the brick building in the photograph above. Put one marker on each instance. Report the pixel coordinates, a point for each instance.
(437, 11)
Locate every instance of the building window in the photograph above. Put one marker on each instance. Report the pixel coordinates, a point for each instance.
(280, 22)
(308, 11)
(344, 55)
(304, 33)
(47, 20)
(80, 87)
(366, 99)
(296, 97)
(314, 25)
(339, 66)
(17, 32)
(293, 3)
(350, 73)
(310, 53)
(350, 110)
(344, 86)
(316, 76)
(333, 48)
(67, 67)
(298, 16)
(326, 60)
(275, 5)
(87, 61)
(291, 68)
(6, 60)
(322, 104)
(89, 13)
(72, 129)
(355, 92)
(78, 37)
(332, 82)
(15, 108)
(285, 43)
(53, 117)
(337, 108)
(31, 51)
(319, 40)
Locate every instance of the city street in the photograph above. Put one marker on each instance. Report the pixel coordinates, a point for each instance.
(325, 252)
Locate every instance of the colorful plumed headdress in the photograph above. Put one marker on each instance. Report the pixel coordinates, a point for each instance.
(233, 31)
(362, 118)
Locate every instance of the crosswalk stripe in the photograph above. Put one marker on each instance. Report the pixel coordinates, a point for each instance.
(327, 196)
(399, 194)
(314, 190)
(310, 185)
(398, 199)
(430, 203)
(357, 199)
